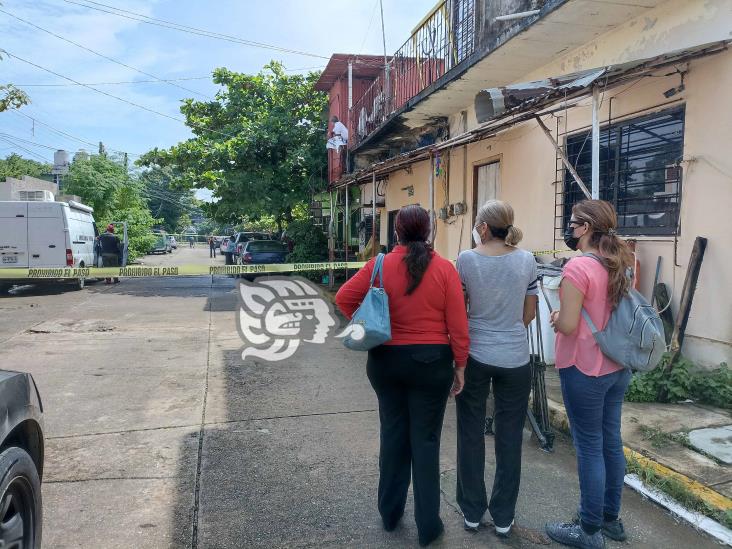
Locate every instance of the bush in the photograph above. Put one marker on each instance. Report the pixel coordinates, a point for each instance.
(310, 246)
(684, 381)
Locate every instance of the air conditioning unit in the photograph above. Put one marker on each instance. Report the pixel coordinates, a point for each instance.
(35, 196)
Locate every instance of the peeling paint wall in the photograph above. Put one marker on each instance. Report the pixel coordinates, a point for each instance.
(527, 171)
(674, 25)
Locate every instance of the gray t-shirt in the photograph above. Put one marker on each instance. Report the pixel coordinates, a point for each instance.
(496, 287)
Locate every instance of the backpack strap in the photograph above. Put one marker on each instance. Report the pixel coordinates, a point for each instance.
(377, 271)
(587, 318)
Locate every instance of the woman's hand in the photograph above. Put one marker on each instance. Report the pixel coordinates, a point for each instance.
(553, 317)
(458, 382)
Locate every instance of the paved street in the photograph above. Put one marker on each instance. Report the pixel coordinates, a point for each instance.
(159, 434)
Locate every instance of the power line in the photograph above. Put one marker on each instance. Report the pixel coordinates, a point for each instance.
(368, 29)
(68, 84)
(118, 98)
(29, 142)
(112, 59)
(185, 28)
(44, 159)
(70, 136)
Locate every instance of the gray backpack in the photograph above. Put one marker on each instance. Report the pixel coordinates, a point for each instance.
(634, 336)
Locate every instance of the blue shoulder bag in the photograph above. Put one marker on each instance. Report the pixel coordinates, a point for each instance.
(370, 325)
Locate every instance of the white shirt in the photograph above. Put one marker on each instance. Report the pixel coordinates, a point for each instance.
(340, 129)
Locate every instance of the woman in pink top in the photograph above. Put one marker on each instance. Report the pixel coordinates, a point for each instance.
(593, 386)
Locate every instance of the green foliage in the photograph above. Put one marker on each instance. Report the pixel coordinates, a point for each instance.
(310, 246)
(166, 200)
(714, 387)
(12, 97)
(16, 166)
(259, 146)
(97, 180)
(683, 382)
(107, 186)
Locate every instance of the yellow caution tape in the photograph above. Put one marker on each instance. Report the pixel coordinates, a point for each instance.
(139, 271)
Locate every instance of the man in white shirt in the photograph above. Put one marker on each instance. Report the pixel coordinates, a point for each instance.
(339, 129)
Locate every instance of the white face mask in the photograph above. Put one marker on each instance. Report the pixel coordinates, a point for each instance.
(476, 237)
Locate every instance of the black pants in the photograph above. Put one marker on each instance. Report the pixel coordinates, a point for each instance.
(228, 258)
(412, 383)
(211, 251)
(511, 388)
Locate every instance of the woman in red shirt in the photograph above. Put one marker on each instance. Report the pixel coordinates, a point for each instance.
(412, 374)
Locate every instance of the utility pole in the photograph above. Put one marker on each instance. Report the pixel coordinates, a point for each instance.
(387, 86)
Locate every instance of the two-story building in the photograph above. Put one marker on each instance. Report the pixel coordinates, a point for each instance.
(543, 102)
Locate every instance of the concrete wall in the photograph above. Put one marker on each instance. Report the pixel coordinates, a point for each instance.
(9, 189)
(528, 163)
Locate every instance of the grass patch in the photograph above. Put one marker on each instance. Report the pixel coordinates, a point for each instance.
(678, 491)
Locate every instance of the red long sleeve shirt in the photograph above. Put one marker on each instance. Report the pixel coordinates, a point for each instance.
(433, 313)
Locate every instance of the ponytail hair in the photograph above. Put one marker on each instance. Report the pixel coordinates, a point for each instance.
(412, 226)
(617, 256)
(498, 215)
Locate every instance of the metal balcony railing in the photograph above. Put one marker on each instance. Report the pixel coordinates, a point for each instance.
(441, 42)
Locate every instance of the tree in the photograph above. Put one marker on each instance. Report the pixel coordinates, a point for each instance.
(12, 97)
(105, 184)
(166, 200)
(16, 166)
(258, 146)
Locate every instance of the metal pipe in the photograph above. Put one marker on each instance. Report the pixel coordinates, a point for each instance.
(432, 199)
(331, 243)
(595, 143)
(350, 85)
(565, 160)
(373, 214)
(519, 15)
(346, 226)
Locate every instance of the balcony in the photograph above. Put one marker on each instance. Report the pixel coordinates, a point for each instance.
(444, 38)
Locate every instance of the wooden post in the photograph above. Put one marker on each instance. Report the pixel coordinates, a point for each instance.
(687, 296)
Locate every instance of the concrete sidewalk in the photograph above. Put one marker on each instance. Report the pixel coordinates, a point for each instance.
(649, 429)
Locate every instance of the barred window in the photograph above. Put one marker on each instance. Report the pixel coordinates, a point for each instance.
(640, 171)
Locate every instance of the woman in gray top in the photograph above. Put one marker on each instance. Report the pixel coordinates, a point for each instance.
(500, 283)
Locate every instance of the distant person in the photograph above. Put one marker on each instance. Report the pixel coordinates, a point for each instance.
(593, 386)
(501, 287)
(190, 242)
(230, 248)
(211, 247)
(413, 373)
(111, 250)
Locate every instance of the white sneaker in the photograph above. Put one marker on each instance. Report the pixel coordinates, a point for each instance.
(471, 526)
(503, 531)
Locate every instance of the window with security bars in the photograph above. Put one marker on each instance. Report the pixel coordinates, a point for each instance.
(640, 171)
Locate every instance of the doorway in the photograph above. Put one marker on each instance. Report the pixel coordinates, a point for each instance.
(486, 184)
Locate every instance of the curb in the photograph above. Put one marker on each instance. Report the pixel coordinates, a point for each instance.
(715, 500)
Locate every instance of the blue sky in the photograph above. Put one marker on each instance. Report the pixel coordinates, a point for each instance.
(320, 27)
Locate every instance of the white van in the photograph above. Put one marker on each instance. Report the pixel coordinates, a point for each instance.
(46, 234)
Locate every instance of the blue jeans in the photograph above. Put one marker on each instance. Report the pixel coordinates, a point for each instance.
(594, 406)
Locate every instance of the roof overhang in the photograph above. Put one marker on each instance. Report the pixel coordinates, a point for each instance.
(364, 66)
(505, 107)
(561, 26)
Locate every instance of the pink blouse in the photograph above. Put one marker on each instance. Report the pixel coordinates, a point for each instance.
(579, 348)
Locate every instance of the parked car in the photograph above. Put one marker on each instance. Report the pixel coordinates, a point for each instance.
(260, 252)
(162, 244)
(21, 461)
(246, 236)
(173, 242)
(37, 234)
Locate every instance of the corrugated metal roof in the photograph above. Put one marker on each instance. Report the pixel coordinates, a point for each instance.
(364, 66)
